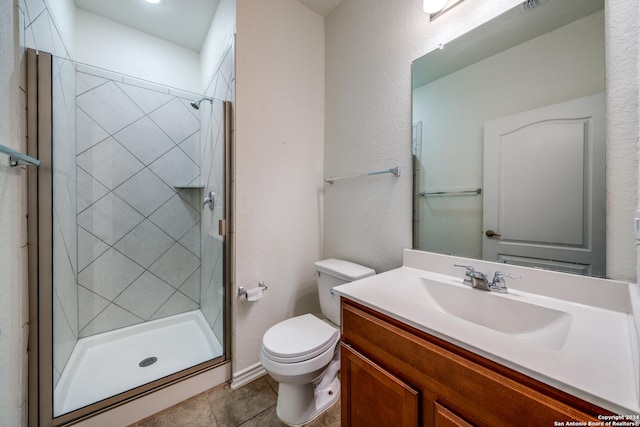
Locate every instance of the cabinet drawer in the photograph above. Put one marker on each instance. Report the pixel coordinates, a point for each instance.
(477, 393)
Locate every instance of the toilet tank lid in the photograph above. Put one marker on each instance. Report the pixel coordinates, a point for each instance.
(344, 270)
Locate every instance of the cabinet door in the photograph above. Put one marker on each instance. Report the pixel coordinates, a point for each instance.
(445, 418)
(445, 373)
(372, 396)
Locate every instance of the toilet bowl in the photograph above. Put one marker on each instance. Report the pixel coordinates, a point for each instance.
(302, 353)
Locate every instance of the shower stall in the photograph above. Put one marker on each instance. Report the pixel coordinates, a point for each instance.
(129, 273)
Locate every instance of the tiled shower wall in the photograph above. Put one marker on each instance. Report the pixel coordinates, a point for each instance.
(65, 248)
(138, 235)
(81, 198)
(39, 31)
(220, 88)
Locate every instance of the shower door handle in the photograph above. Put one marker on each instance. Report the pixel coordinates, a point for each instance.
(210, 200)
(222, 227)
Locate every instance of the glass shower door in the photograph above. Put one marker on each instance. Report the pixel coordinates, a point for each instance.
(139, 266)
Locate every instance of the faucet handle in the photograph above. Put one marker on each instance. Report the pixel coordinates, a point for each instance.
(499, 284)
(499, 275)
(468, 275)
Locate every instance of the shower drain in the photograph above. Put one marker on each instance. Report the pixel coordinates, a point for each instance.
(147, 362)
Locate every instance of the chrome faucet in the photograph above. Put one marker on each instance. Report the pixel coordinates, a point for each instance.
(479, 280)
(499, 284)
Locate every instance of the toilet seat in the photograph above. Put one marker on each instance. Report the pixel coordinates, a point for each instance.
(299, 338)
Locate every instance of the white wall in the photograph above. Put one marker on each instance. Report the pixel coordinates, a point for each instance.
(622, 20)
(104, 43)
(370, 45)
(218, 40)
(13, 243)
(278, 177)
(486, 90)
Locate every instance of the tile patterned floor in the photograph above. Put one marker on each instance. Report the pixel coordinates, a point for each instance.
(251, 405)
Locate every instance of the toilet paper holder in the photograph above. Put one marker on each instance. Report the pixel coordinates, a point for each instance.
(242, 292)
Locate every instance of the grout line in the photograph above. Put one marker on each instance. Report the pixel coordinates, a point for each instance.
(257, 415)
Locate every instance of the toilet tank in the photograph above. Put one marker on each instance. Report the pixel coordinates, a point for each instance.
(334, 272)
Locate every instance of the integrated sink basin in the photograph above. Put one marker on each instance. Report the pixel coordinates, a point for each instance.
(578, 334)
(533, 323)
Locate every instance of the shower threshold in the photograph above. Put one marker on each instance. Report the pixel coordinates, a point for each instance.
(110, 363)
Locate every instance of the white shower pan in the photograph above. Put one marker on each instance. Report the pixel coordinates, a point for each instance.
(107, 364)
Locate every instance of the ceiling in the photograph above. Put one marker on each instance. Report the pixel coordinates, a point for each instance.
(321, 7)
(183, 22)
(505, 31)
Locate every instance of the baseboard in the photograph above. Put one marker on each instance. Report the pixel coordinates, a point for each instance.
(247, 375)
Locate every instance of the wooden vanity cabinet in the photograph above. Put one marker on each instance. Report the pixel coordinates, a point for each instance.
(396, 375)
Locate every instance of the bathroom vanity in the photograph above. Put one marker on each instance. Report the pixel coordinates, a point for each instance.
(421, 348)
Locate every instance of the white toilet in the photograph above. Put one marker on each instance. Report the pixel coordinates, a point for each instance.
(301, 353)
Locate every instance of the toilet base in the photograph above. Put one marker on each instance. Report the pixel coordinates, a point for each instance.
(299, 404)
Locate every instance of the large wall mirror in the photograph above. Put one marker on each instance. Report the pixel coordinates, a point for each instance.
(508, 140)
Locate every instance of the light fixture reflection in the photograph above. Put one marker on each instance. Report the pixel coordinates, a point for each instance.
(433, 6)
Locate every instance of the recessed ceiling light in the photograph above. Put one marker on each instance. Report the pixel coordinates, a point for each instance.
(154, 1)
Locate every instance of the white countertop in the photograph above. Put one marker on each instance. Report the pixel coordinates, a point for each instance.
(597, 360)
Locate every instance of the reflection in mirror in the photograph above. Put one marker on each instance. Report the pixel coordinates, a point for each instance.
(508, 141)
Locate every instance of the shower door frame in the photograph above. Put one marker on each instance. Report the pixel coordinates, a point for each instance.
(40, 250)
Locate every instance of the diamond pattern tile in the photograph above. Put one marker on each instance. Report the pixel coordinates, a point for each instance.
(64, 217)
(191, 147)
(207, 158)
(226, 68)
(212, 292)
(175, 266)
(29, 37)
(68, 79)
(178, 303)
(217, 161)
(175, 168)
(110, 163)
(34, 8)
(64, 335)
(88, 132)
(145, 243)
(109, 107)
(191, 286)
(145, 140)
(88, 190)
(85, 82)
(109, 219)
(63, 275)
(89, 248)
(175, 120)
(145, 296)
(42, 31)
(175, 217)
(112, 317)
(63, 150)
(191, 240)
(110, 274)
(146, 99)
(138, 239)
(91, 303)
(222, 88)
(145, 192)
